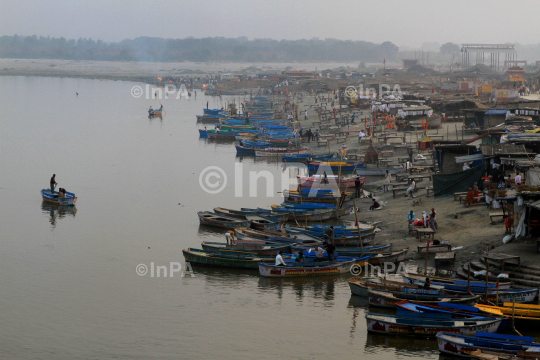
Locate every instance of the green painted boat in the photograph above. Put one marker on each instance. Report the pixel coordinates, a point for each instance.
(224, 259)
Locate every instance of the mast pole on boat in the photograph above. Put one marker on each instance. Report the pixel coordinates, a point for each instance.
(358, 228)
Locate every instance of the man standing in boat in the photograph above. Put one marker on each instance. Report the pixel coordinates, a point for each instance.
(53, 183)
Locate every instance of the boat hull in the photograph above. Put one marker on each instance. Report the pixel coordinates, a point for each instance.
(268, 270)
(69, 200)
(378, 323)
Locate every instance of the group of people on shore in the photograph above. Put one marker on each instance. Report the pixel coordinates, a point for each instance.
(426, 221)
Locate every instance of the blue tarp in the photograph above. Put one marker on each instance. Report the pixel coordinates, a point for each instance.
(495, 112)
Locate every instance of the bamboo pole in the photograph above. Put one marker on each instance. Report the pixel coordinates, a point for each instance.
(427, 252)
(469, 278)
(358, 228)
(487, 276)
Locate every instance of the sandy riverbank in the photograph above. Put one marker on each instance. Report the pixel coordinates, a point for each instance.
(142, 71)
(472, 230)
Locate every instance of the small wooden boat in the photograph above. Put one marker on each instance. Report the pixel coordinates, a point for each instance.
(155, 112)
(258, 249)
(212, 219)
(361, 286)
(464, 345)
(352, 251)
(427, 324)
(354, 240)
(258, 221)
(523, 313)
(222, 259)
(318, 215)
(263, 223)
(456, 311)
(276, 236)
(334, 166)
(420, 279)
(378, 171)
(306, 269)
(498, 355)
(520, 296)
(392, 257)
(315, 181)
(222, 135)
(390, 298)
(278, 151)
(69, 200)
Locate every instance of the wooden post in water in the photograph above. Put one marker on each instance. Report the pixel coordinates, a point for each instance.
(487, 277)
(358, 228)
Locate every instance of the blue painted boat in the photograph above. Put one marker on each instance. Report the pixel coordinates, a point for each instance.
(463, 345)
(240, 150)
(428, 324)
(323, 156)
(309, 206)
(453, 310)
(211, 111)
(69, 200)
(296, 157)
(334, 166)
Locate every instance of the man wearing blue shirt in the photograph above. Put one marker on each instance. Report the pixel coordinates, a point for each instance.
(410, 219)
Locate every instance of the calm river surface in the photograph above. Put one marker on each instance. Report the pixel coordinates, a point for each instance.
(69, 287)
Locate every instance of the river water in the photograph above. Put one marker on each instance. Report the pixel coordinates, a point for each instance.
(69, 286)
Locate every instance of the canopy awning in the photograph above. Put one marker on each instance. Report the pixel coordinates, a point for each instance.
(468, 158)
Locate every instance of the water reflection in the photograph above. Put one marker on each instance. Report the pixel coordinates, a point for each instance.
(322, 289)
(57, 212)
(403, 345)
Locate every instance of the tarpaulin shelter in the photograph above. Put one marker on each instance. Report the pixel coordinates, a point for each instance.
(372, 157)
(445, 185)
(425, 143)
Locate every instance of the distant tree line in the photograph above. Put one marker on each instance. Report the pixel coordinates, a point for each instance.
(191, 49)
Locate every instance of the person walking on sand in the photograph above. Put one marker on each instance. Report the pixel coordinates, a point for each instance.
(432, 221)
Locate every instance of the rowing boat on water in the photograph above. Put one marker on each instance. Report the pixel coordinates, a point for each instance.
(52, 197)
(390, 298)
(212, 219)
(523, 313)
(392, 257)
(259, 249)
(278, 152)
(361, 286)
(464, 345)
(428, 324)
(306, 269)
(420, 279)
(223, 259)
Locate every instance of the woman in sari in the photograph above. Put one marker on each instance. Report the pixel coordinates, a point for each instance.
(470, 199)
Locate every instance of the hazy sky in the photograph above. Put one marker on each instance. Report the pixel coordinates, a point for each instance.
(405, 22)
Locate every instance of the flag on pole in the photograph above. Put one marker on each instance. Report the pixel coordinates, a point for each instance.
(426, 124)
(422, 123)
(365, 121)
(433, 91)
